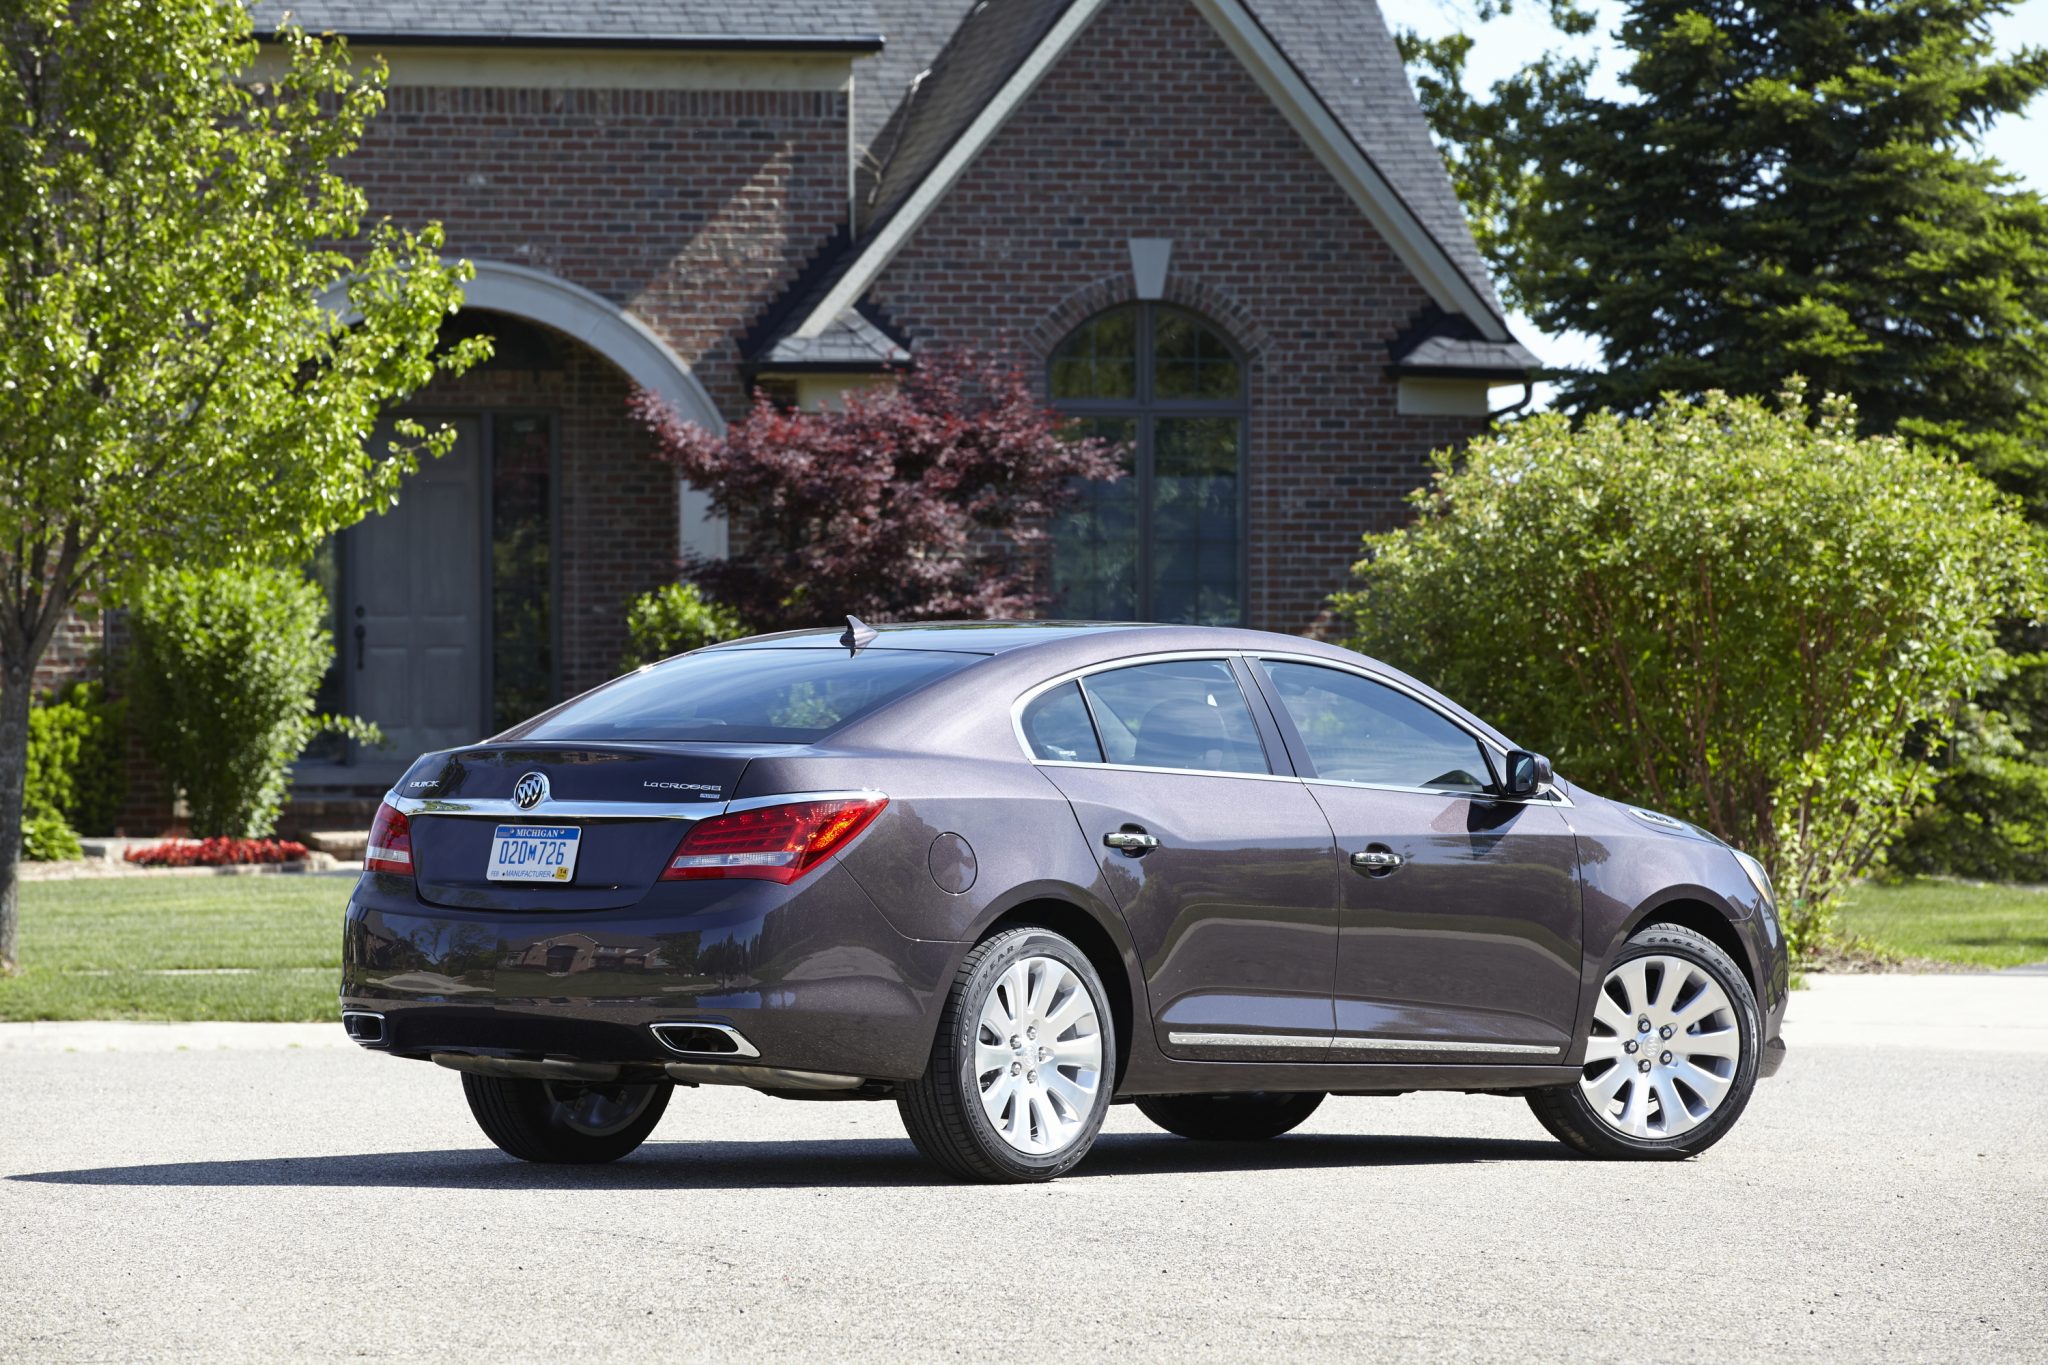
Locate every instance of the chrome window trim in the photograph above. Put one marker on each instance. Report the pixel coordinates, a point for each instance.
(1550, 795)
(501, 807)
(1221, 656)
(1353, 1043)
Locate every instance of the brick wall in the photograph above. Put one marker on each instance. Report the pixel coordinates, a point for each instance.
(1149, 127)
(692, 208)
(74, 651)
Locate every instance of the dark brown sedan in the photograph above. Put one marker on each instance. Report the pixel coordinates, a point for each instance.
(1007, 874)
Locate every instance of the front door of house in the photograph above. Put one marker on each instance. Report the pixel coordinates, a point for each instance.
(442, 618)
(412, 617)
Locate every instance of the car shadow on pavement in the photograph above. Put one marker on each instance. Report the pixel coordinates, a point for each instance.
(832, 1162)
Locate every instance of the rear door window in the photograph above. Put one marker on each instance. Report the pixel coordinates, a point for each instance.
(1057, 728)
(744, 696)
(1181, 713)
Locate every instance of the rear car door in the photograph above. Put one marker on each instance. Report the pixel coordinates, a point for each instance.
(1460, 935)
(1218, 856)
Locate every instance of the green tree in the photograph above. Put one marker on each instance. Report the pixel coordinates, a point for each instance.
(172, 389)
(1786, 188)
(675, 618)
(1736, 612)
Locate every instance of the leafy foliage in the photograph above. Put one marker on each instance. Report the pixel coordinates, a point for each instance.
(1734, 612)
(47, 837)
(173, 390)
(222, 678)
(913, 502)
(1990, 816)
(77, 758)
(674, 619)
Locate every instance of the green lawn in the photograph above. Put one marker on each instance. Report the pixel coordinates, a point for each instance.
(1985, 924)
(120, 948)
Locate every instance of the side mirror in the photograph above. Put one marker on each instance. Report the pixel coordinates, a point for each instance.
(1526, 773)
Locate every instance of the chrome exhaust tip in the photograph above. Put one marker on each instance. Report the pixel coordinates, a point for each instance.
(365, 1027)
(695, 1039)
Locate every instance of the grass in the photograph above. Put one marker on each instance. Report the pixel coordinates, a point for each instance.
(1982, 924)
(257, 948)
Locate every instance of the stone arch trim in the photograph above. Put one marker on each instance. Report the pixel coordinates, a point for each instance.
(1217, 305)
(597, 322)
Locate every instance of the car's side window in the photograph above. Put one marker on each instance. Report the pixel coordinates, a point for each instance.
(1057, 728)
(1357, 730)
(1181, 713)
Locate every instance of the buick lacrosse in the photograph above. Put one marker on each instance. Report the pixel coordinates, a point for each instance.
(1008, 874)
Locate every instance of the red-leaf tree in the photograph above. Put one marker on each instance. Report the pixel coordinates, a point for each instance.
(921, 500)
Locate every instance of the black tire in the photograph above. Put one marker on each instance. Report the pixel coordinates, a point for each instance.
(1231, 1118)
(549, 1121)
(1571, 1118)
(942, 1110)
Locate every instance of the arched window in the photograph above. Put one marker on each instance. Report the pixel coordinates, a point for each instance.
(1165, 543)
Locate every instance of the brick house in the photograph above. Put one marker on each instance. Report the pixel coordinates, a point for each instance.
(1216, 228)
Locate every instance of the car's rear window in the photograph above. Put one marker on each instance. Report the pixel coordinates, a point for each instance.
(744, 696)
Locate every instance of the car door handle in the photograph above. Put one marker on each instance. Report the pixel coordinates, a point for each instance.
(1376, 860)
(1131, 841)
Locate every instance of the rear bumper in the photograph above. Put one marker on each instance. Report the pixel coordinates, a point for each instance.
(812, 977)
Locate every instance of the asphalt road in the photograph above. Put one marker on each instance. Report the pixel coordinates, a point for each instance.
(1886, 1197)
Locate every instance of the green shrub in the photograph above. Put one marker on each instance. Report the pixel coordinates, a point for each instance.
(674, 619)
(222, 678)
(46, 838)
(1989, 817)
(77, 758)
(1738, 613)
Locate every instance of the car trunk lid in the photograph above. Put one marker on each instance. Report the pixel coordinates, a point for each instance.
(631, 804)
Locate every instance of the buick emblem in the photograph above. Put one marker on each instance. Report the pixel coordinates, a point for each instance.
(531, 791)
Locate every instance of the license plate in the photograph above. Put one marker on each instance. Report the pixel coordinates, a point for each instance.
(533, 853)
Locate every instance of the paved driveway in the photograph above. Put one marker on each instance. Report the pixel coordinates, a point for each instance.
(1885, 1198)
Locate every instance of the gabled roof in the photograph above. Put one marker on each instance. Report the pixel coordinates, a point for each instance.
(848, 25)
(1339, 56)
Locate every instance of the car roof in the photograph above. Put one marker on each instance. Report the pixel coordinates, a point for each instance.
(1022, 653)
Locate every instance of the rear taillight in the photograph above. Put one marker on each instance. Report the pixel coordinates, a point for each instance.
(390, 847)
(773, 843)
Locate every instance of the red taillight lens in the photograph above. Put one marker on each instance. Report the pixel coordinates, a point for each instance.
(774, 843)
(390, 847)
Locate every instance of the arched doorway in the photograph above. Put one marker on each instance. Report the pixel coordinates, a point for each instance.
(497, 583)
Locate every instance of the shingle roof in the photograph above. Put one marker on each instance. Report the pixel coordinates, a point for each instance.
(1342, 49)
(586, 20)
(1444, 346)
(983, 53)
(851, 342)
(913, 32)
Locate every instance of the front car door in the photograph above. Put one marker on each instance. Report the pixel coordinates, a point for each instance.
(1461, 933)
(1218, 856)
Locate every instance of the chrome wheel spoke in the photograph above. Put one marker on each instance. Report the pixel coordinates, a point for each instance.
(1633, 978)
(1603, 1048)
(1602, 1089)
(1720, 1043)
(1673, 1116)
(1710, 1088)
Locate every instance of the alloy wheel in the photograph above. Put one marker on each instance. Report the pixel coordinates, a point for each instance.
(1664, 1048)
(1038, 1055)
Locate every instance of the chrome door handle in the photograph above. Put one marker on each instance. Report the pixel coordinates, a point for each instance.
(1129, 841)
(1376, 860)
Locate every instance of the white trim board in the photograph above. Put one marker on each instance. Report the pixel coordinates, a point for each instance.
(1395, 221)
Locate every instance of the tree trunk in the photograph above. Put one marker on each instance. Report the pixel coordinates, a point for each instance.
(15, 681)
